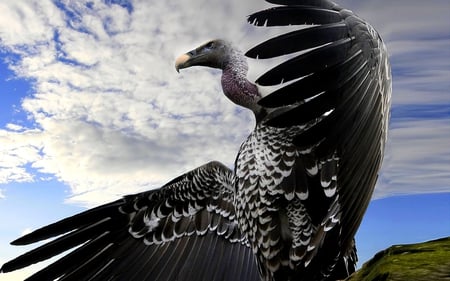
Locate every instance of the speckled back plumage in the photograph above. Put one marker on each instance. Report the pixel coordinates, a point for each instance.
(273, 195)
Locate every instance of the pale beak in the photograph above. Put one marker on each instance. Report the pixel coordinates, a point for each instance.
(182, 62)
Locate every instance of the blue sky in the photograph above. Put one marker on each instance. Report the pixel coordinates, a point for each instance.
(92, 108)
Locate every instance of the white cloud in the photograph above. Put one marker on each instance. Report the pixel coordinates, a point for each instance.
(113, 117)
(18, 149)
(418, 158)
(26, 231)
(2, 194)
(27, 22)
(14, 127)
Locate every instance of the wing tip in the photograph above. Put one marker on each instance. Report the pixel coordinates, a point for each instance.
(24, 240)
(9, 267)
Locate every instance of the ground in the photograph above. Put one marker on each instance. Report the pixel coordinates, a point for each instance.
(429, 261)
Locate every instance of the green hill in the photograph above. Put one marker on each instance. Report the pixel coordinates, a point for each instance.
(429, 261)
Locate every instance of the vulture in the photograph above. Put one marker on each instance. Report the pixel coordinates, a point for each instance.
(302, 180)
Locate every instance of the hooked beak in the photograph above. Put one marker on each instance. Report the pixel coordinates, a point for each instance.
(185, 60)
(182, 62)
(191, 58)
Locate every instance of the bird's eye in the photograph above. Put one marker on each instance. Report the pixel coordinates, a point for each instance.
(209, 45)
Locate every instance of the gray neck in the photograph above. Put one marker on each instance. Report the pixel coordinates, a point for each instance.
(235, 84)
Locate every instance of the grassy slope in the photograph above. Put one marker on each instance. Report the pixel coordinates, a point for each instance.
(429, 261)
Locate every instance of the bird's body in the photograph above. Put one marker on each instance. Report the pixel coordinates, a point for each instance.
(301, 183)
(265, 211)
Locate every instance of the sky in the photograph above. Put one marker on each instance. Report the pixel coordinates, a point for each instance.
(91, 108)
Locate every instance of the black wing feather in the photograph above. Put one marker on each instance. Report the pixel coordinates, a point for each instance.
(307, 63)
(294, 15)
(326, 4)
(65, 225)
(185, 230)
(299, 40)
(328, 78)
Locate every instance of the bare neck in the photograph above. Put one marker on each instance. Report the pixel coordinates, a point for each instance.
(236, 86)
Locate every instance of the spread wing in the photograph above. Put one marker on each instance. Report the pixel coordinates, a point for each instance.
(185, 230)
(336, 84)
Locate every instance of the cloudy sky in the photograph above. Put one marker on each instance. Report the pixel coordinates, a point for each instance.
(92, 108)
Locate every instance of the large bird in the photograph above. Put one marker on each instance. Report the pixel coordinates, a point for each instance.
(301, 183)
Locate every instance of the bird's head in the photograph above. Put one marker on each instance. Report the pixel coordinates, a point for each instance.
(221, 54)
(214, 53)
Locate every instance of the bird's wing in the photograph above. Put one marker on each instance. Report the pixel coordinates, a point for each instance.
(185, 230)
(337, 85)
